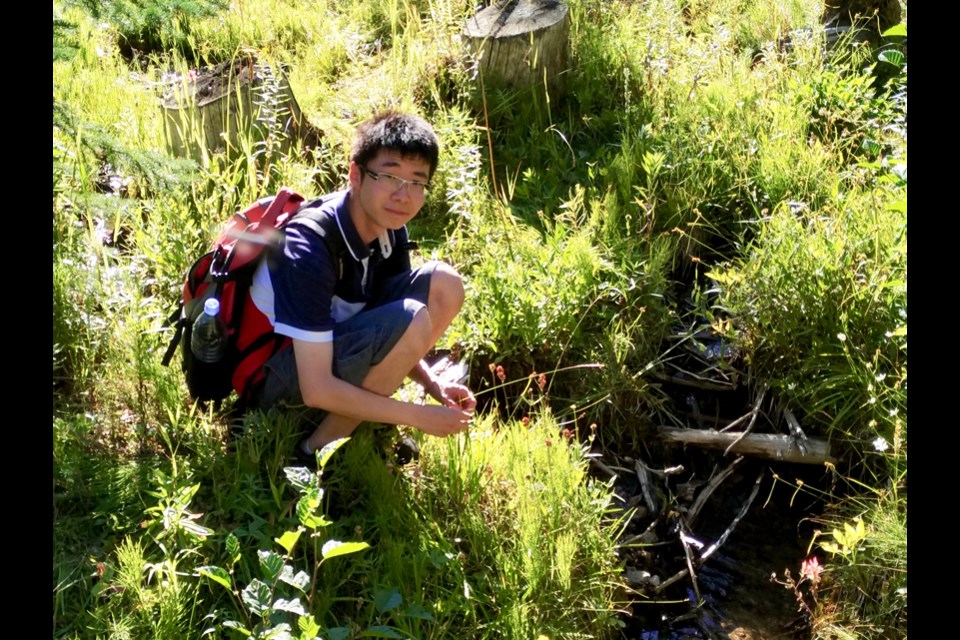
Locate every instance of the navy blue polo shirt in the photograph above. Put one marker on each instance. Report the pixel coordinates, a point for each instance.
(304, 289)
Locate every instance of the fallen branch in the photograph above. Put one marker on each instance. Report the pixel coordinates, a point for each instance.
(798, 435)
(715, 482)
(753, 419)
(648, 496)
(687, 541)
(743, 511)
(607, 470)
(763, 445)
(716, 545)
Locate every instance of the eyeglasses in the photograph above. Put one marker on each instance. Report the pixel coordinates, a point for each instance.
(395, 183)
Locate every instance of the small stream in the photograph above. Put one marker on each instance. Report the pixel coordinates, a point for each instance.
(739, 599)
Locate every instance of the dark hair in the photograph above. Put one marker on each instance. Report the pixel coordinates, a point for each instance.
(411, 135)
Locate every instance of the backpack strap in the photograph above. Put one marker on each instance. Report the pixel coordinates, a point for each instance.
(174, 318)
(325, 226)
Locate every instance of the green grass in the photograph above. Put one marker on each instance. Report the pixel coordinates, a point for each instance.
(687, 143)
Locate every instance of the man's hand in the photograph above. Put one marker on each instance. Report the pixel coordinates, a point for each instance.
(453, 395)
(442, 421)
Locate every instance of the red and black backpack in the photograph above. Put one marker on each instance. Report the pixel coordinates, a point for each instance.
(226, 273)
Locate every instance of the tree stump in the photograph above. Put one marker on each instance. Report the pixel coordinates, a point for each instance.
(883, 14)
(521, 43)
(238, 101)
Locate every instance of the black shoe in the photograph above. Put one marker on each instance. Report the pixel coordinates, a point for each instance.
(406, 450)
(304, 459)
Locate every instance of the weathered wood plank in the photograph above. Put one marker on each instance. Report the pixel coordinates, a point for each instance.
(762, 445)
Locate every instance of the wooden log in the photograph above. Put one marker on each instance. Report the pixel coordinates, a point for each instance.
(762, 445)
(521, 43)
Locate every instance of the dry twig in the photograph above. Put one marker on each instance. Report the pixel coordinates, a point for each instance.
(716, 545)
(754, 412)
(712, 485)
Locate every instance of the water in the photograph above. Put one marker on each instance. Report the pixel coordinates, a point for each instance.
(739, 599)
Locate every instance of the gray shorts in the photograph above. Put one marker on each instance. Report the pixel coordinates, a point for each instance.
(358, 343)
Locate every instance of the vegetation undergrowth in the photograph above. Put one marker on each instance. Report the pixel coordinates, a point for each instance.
(719, 148)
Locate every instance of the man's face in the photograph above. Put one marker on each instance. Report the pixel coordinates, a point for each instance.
(380, 200)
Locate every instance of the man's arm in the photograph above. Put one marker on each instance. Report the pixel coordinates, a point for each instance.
(321, 389)
(446, 392)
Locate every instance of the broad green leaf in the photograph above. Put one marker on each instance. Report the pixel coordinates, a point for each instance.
(334, 548)
(338, 633)
(329, 450)
(315, 522)
(892, 56)
(896, 30)
(257, 597)
(379, 631)
(417, 610)
(233, 548)
(289, 539)
(300, 477)
(308, 627)
(387, 599)
(293, 606)
(300, 580)
(278, 632)
(271, 563)
(871, 146)
(218, 575)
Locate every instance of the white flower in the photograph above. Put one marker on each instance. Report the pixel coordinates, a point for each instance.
(880, 444)
(842, 337)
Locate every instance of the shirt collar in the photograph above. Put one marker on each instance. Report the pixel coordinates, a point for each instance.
(351, 237)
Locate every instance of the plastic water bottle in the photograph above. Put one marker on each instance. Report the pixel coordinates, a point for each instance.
(208, 341)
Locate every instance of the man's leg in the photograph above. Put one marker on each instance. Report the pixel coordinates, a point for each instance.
(444, 301)
(383, 378)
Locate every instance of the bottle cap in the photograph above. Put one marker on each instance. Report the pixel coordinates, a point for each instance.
(211, 307)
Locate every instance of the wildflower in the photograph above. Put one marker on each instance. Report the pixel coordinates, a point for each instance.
(525, 421)
(567, 433)
(500, 373)
(880, 444)
(542, 381)
(811, 569)
(842, 337)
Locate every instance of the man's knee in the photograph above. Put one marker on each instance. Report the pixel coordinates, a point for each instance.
(417, 337)
(446, 288)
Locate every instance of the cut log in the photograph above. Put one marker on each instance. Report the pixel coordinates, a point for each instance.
(215, 108)
(521, 43)
(763, 445)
